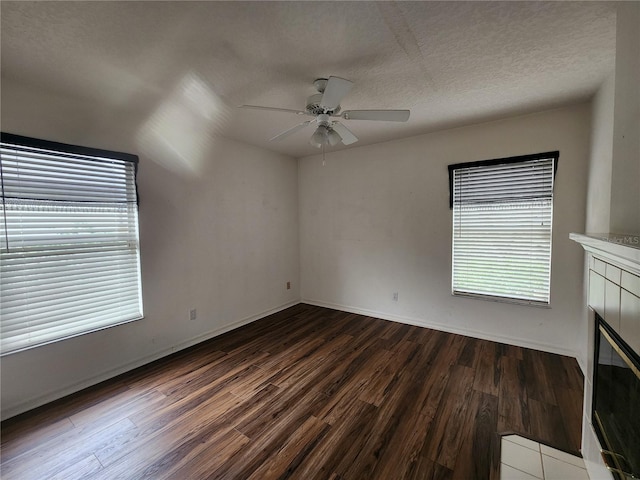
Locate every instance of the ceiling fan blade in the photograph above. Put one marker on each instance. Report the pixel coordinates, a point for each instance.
(347, 135)
(335, 90)
(291, 131)
(274, 109)
(386, 115)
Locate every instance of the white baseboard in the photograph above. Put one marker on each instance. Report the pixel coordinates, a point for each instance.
(419, 322)
(113, 372)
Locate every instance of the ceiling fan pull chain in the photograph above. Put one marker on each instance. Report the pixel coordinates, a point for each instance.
(323, 161)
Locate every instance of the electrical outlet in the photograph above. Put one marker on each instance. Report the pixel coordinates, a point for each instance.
(288, 285)
(193, 314)
(395, 296)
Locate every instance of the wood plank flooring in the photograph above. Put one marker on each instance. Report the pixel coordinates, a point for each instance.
(307, 393)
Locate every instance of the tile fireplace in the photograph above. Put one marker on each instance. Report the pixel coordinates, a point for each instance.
(611, 420)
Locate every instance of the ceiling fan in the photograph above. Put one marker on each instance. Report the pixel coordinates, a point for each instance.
(324, 106)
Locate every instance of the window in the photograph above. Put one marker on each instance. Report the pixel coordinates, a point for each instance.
(69, 249)
(502, 216)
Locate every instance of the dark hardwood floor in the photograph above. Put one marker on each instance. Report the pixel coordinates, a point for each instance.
(307, 393)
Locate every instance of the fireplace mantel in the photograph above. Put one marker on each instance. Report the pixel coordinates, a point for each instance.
(620, 250)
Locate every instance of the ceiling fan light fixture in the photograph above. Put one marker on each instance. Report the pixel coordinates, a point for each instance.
(320, 137)
(334, 138)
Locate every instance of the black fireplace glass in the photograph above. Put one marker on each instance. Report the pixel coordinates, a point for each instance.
(616, 401)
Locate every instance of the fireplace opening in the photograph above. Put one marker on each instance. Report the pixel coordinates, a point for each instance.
(616, 402)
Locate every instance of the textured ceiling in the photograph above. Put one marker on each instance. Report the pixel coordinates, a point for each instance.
(192, 63)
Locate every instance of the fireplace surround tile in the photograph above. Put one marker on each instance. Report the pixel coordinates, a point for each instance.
(630, 319)
(631, 283)
(600, 267)
(613, 273)
(612, 304)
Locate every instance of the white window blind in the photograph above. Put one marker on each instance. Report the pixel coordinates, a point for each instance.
(502, 220)
(69, 242)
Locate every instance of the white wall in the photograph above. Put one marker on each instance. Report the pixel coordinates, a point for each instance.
(625, 175)
(223, 241)
(601, 158)
(598, 198)
(376, 220)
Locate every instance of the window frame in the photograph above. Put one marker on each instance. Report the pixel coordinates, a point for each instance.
(553, 155)
(60, 151)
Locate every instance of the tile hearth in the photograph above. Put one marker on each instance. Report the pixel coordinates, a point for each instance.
(524, 459)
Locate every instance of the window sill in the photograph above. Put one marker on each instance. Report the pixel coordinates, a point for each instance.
(513, 301)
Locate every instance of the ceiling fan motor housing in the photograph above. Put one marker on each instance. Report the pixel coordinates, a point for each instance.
(323, 119)
(315, 108)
